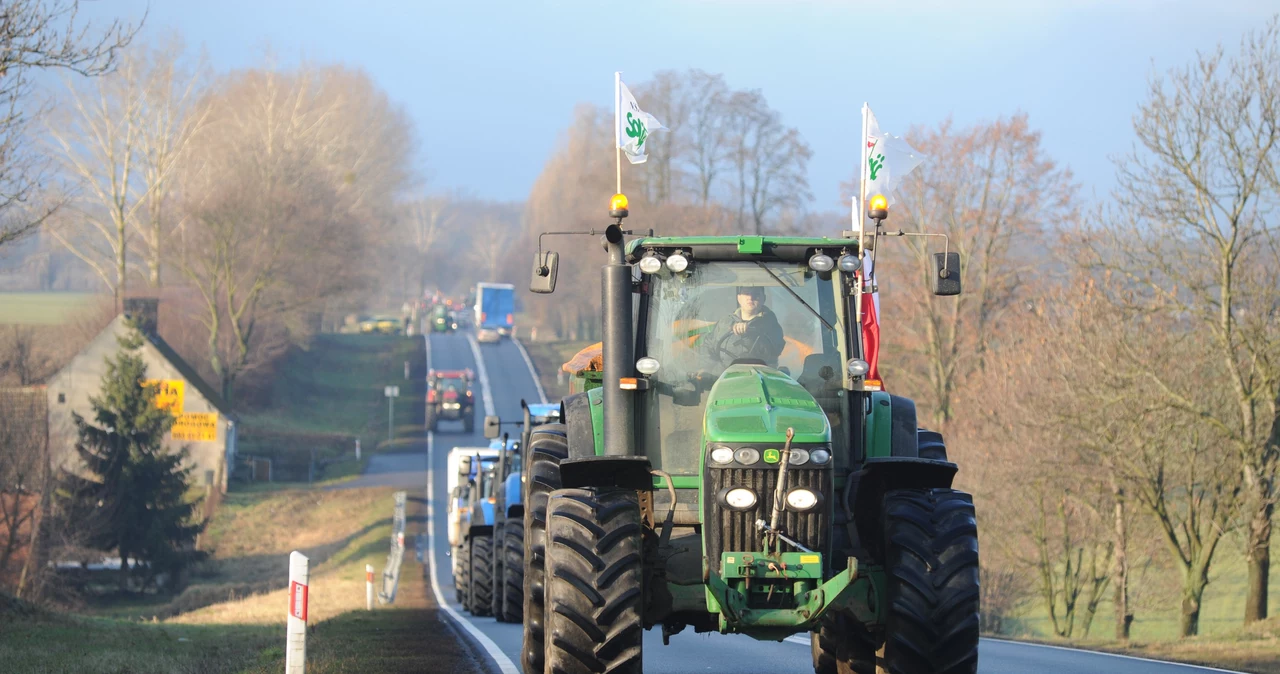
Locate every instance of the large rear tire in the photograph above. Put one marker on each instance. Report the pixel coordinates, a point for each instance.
(431, 418)
(513, 570)
(931, 560)
(461, 579)
(843, 646)
(495, 580)
(548, 446)
(594, 575)
(469, 422)
(481, 576)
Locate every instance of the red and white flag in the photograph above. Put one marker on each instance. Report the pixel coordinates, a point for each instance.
(871, 325)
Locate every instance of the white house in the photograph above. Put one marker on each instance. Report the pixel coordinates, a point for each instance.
(204, 424)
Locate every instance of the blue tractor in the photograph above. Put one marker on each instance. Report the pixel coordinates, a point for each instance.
(508, 524)
(472, 484)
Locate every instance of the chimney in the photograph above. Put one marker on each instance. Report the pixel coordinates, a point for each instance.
(145, 312)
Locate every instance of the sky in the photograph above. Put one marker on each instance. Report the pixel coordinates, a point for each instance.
(491, 85)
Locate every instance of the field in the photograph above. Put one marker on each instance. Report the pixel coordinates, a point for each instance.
(330, 394)
(42, 308)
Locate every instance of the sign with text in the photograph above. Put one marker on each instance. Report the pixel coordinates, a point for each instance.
(170, 393)
(195, 427)
(391, 391)
(298, 600)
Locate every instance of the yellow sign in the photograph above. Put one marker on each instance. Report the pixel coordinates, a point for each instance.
(170, 393)
(195, 427)
(810, 559)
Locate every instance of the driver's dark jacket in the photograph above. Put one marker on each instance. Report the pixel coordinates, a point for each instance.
(761, 340)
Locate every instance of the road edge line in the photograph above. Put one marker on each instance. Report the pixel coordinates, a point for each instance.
(504, 663)
(795, 639)
(533, 371)
(1116, 655)
(483, 375)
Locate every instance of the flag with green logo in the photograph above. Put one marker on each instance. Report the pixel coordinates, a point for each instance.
(886, 159)
(634, 126)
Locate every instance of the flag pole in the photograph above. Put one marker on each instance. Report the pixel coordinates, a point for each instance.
(860, 218)
(617, 125)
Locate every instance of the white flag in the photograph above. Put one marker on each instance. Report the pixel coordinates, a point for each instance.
(634, 126)
(886, 159)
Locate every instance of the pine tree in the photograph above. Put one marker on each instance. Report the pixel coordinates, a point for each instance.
(133, 497)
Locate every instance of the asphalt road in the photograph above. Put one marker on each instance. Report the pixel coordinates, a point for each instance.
(508, 380)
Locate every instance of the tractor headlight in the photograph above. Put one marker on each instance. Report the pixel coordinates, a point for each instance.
(821, 262)
(801, 499)
(747, 455)
(820, 456)
(650, 264)
(799, 456)
(677, 263)
(850, 263)
(722, 455)
(739, 498)
(647, 365)
(858, 367)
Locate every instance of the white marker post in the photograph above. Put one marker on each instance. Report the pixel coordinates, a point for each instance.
(368, 587)
(295, 654)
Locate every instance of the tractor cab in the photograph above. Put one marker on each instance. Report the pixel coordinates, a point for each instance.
(449, 397)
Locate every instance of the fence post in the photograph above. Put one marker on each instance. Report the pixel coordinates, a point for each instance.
(295, 659)
(368, 587)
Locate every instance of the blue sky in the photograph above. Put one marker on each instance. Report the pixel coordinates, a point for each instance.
(491, 85)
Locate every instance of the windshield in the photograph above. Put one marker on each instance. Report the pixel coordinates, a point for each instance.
(779, 314)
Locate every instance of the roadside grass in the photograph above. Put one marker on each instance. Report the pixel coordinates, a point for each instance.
(330, 394)
(42, 308)
(232, 616)
(547, 358)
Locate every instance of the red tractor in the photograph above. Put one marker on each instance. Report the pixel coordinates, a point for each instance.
(449, 397)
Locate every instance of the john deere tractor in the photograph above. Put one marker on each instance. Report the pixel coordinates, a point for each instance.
(737, 471)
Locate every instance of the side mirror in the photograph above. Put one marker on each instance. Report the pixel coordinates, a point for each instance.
(464, 467)
(545, 266)
(491, 427)
(946, 276)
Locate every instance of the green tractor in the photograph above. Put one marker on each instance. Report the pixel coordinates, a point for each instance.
(730, 467)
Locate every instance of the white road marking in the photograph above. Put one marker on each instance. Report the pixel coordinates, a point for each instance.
(1116, 655)
(542, 395)
(482, 375)
(804, 641)
(505, 665)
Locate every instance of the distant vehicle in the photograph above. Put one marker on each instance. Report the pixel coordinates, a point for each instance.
(443, 320)
(495, 311)
(449, 397)
(388, 325)
(470, 524)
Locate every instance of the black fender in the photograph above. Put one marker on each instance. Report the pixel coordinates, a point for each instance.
(903, 438)
(627, 472)
(480, 530)
(878, 476)
(576, 413)
(515, 511)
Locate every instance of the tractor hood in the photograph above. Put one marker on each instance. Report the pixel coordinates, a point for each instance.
(753, 403)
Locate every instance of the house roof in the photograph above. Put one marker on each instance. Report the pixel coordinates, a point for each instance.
(118, 325)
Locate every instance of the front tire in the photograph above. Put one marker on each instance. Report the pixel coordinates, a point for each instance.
(513, 570)
(842, 646)
(461, 579)
(495, 580)
(469, 422)
(594, 574)
(481, 576)
(931, 560)
(548, 446)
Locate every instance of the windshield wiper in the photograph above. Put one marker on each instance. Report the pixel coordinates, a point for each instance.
(798, 297)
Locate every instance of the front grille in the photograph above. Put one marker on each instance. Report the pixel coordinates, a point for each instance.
(736, 531)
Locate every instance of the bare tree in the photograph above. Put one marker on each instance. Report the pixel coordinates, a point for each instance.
(768, 160)
(992, 191)
(1194, 236)
(35, 36)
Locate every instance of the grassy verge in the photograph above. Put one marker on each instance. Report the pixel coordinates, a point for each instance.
(548, 357)
(329, 395)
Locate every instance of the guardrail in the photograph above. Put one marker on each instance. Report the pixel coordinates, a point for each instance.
(391, 574)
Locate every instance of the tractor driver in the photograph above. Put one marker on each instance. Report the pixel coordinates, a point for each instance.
(751, 332)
